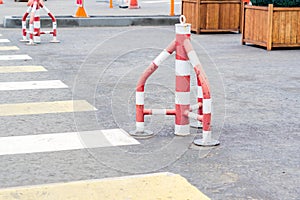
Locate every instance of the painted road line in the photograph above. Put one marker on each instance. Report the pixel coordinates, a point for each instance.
(8, 48)
(15, 57)
(32, 85)
(141, 187)
(4, 40)
(20, 69)
(0, 35)
(64, 141)
(45, 107)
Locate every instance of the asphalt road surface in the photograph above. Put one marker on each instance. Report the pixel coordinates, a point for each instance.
(85, 85)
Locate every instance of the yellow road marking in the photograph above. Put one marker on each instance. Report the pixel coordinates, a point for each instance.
(45, 107)
(8, 48)
(16, 69)
(161, 186)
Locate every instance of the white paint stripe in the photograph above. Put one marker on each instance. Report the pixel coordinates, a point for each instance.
(119, 137)
(161, 57)
(194, 58)
(182, 129)
(140, 126)
(45, 108)
(159, 111)
(139, 98)
(4, 40)
(23, 24)
(200, 92)
(32, 85)
(18, 69)
(15, 57)
(36, 24)
(182, 68)
(0, 34)
(207, 106)
(8, 48)
(183, 28)
(182, 98)
(46, 9)
(206, 136)
(64, 141)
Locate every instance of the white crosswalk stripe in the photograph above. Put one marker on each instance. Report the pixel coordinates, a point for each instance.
(31, 85)
(4, 40)
(8, 48)
(21, 69)
(64, 141)
(37, 108)
(15, 57)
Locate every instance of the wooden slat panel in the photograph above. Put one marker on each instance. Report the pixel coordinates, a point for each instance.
(294, 27)
(282, 27)
(288, 28)
(189, 10)
(212, 21)
(223, 15)
(298, 25)
(276, 27)
(237, 15)
(228, 16)
(264, 26)
(254, 26)
(249, 24)
(203, 15)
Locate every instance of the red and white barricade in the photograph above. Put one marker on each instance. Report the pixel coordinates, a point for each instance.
(185, 56)
(35, 32)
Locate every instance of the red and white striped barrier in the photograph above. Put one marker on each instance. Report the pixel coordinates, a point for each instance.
(185, 56)
(140, 89)
(35, 25)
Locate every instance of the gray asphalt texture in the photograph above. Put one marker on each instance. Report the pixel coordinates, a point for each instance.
(255, 117)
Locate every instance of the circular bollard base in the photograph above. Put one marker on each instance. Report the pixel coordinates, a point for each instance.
(141, 135)
(54, 41)
(196, 125)
(200, 142)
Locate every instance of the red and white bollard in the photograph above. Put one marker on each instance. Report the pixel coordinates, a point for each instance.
(35, 25)
(24, 29)
(185, 56)
(183, 76)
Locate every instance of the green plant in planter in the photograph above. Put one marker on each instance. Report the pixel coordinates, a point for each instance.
(277, 3)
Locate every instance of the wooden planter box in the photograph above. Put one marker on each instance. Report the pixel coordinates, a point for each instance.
(212, 15)
(270, 26)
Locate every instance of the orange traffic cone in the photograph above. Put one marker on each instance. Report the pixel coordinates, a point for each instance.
(1, 2)
(80, 11)
(133, 4)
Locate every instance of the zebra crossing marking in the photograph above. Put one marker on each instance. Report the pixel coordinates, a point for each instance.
(4, 40)
(15, 57)
(19, 69)
(162, 185)
(36, 108)
(32, 85)
(64, 141)
(8, 48)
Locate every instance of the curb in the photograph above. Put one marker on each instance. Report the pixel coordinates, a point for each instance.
(96, 21)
